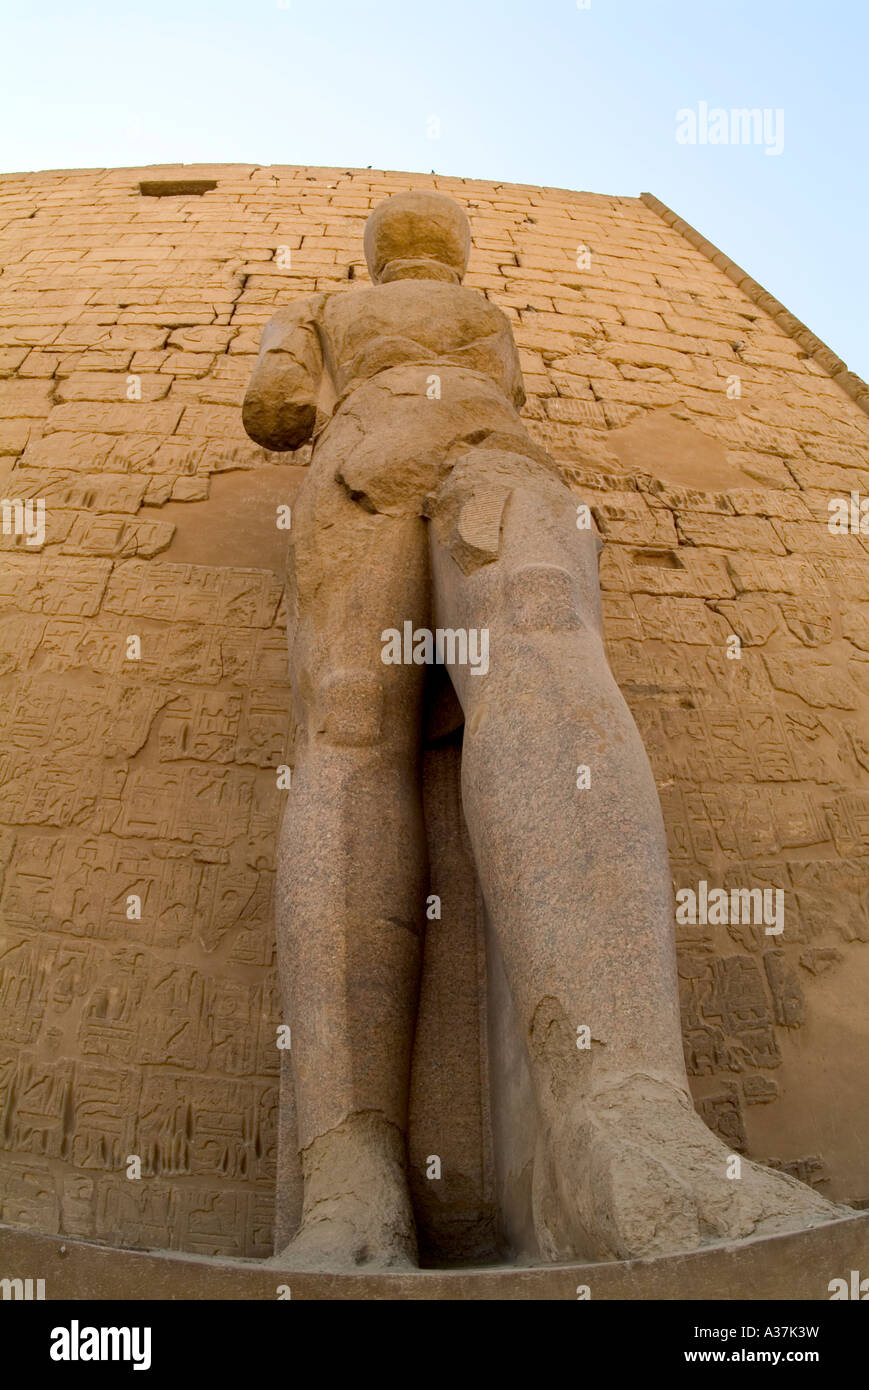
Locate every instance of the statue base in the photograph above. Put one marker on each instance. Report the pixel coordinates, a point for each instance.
(799, 1265)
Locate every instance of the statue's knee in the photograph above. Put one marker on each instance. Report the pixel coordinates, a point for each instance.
(543, 598)
(351, 709)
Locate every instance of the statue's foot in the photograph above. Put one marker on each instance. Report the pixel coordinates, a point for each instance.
(643, 1175)
(343, 1236)
(357, 1212)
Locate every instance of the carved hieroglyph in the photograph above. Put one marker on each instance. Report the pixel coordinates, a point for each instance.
(156, 1036)
(429, 510)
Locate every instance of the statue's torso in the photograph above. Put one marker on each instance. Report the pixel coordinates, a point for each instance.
(422, 372)
(416, 321)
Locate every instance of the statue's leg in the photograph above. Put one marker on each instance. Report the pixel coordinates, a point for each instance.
(352, 875)
(574, 871)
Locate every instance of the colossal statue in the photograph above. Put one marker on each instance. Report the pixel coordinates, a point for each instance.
(432, 526)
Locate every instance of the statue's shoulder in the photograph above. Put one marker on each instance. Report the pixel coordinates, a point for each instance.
(346, 303)
(486, 308)
(414, 297)
(303, 309)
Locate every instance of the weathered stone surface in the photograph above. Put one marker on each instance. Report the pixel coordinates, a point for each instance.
(159, 778)
(792, 1268)
(408, 391)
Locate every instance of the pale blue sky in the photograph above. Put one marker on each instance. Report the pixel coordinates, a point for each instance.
(544, 93)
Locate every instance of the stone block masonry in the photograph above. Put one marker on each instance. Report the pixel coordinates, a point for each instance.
(708, 432)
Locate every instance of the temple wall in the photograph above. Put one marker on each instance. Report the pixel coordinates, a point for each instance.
(128, 327)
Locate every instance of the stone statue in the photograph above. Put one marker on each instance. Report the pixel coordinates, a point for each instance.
(431, 525)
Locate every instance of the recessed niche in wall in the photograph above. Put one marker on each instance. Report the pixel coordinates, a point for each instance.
(169, 188)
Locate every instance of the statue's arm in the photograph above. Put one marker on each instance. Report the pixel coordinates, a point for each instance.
(280, 405)
(515, 384)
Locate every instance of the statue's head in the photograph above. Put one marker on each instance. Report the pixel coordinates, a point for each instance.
(417, 236)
